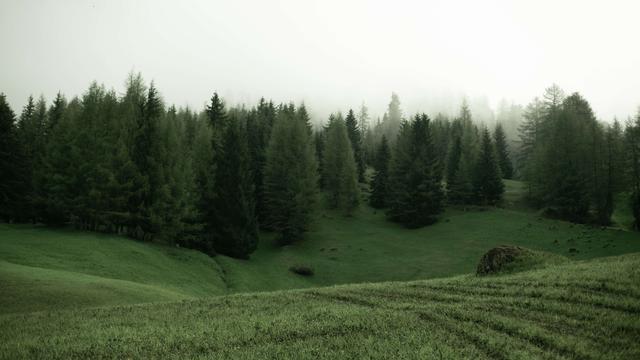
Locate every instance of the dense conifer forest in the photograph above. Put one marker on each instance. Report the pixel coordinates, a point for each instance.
(212, 179)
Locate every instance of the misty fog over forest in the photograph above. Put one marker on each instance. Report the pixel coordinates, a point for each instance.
(319, 179)
(330, 54)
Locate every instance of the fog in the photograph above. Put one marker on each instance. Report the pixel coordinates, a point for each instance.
(329, 54)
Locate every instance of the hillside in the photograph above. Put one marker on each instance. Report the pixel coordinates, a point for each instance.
(43, 268)
(587, 310)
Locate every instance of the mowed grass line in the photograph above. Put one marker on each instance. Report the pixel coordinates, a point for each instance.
(578, 310)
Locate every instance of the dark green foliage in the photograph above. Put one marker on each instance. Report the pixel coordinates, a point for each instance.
(571, 162)
(635, 209)
(355, 137)
(459, 188)
(504, 160)
(290, 177)
(259, 123)
(380, 187)
(416, 192)
(319, 141)
(339, 171)
(487, 180)
(235, 227)
(632, 150)
(12, 165)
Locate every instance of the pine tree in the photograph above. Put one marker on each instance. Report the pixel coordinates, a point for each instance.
(355, 137)
(416, 191)
(632, 150)
(236, 227)
(145, 155)
(392, 118)
(504, 160)
(339, 168)
(380, 187)
(259, 124)
(459, 188)
(487, 180)
(12, 164)
(291, 178)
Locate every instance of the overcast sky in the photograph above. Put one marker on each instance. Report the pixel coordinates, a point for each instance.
(331, 54)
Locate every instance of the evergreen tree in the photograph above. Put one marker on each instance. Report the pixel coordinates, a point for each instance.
(146, 150)
(380, 187)
(632, 150)
(355, 137)
(236, 227)
(504, 160)
(290, 178)
(12, 164)
(459, 188)
(416, 192)
(487, 180)
(319, 141)
(339, 168)
(392, 118)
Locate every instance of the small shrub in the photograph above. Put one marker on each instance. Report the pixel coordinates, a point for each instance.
(508, 259)
(301, 270)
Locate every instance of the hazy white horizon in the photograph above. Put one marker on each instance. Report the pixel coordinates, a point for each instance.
(332, 55)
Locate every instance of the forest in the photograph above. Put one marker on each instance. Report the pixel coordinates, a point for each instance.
(215, 179)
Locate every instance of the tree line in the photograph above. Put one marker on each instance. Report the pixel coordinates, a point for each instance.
(211, 180)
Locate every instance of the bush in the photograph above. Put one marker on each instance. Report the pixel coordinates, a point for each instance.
(301, 270)
(509, 259)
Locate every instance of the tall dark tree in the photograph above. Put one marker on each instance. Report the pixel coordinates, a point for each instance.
(416, 191)
(12, 164)
(355, 137)
(339, 169)
(502, 151)
(459, 188)
(146, 149)
(487, 180)
(290, 178)
(632, 149)
(236, 227)
(259, 123)
(380, 187)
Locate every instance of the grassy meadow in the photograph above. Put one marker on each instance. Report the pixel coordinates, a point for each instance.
(576, 310)
(73, 294)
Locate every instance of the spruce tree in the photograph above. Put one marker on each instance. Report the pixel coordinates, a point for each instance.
(487, 180)
(12, 164)
(339, 168)
(416, 191)
(235, 227)
(290, 178)
(146, 148)
(502, 151)
(355, 137)
(380, 187)
(459, 188)
(632, 150)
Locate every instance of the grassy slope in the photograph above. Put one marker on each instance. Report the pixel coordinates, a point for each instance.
(588, 309)
(42, 268)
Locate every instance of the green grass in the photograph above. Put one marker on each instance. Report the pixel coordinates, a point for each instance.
(578, 310)
(363, 248)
